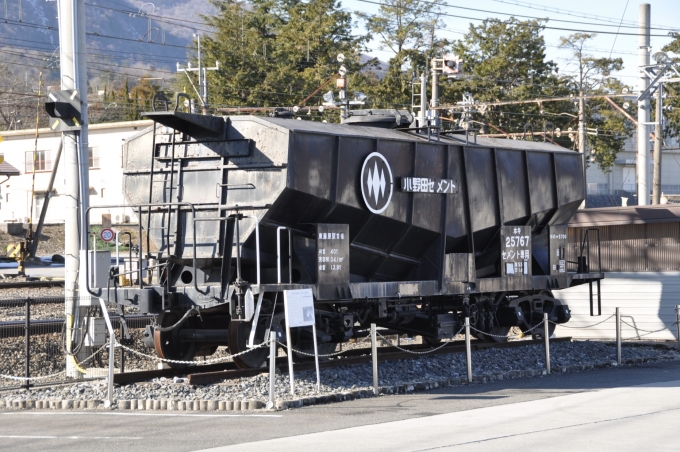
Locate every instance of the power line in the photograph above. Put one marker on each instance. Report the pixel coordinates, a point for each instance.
(89, 48)
(560, 11)
(157, 18)
(90, 33)
(529, 25)
(545, 18)
(617, 35)
(127, 11)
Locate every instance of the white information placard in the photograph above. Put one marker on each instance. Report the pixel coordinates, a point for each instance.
(299, 305)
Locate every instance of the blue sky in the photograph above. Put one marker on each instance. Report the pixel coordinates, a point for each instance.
(588, 15)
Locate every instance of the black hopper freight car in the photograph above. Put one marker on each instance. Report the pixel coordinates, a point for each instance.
(386, 226)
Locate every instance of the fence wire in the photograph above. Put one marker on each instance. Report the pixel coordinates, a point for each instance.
(41, 340)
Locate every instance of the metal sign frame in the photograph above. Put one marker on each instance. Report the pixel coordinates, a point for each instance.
(298, 307)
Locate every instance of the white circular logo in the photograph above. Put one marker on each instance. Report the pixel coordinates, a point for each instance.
(376, 182)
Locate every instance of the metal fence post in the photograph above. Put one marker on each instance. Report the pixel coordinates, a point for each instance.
(618, 336)
(108, 403)
(468, 351)
(272, 368)
(374, 355)
(28, 343)
(122, 350)
(546, 336)
(677, 323)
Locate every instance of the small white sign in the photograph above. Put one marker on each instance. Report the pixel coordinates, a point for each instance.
(299, 305)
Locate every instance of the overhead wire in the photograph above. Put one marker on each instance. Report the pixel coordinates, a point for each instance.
(157, 18)
(617, 35)
(157, 70)
(546, 18)
(152, 15)
(541, 26)
(529, 5)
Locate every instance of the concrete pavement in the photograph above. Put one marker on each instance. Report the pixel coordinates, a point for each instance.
(599, 409)
(625, 419)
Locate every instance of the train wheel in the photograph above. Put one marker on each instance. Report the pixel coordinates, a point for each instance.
(167, 343)
(239, 332)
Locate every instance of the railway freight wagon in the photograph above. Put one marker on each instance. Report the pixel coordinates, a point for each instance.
(393, 227)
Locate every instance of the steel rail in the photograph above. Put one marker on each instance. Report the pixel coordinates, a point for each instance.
(16, 328)
(26, 284)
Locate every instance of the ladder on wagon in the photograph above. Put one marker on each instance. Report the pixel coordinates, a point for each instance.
(165, 187)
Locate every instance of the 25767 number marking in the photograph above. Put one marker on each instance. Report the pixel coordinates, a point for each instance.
(515, 241)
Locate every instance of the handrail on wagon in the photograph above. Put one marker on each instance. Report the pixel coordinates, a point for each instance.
(278, 254)
(238, 239)
(551, 125)
(139, 254)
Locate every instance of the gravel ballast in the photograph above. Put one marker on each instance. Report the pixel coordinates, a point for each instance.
(338, 383)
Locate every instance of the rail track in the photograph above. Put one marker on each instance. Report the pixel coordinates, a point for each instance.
(201, 375)
(16, 328)
(5, 284)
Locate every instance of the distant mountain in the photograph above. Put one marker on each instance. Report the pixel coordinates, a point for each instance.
(123, 40)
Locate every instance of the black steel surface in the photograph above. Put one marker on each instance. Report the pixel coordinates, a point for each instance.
(389, 188)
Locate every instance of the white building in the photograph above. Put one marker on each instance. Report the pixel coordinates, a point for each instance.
(106, 173)
(607, 189)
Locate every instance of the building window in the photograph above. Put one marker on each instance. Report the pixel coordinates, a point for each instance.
(93, 154)
(42, 161)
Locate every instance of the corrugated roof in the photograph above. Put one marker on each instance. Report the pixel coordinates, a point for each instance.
(8, 170)
(614, 216)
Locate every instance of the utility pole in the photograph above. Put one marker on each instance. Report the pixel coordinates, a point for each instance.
(202, 90)
(643, 107)
(581, 123)
(582, 142)
(664, 71)
(423, 100)
(433, 114)
(656, 187)
(341, 84)
(75, 149)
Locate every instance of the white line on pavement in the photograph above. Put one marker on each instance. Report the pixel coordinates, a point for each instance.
(90, 413)
(67, 437)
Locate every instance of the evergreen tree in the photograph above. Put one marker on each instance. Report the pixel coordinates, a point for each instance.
(672, 124)
(593, 76)
(276, 52)
(505, 61)
(407, 29)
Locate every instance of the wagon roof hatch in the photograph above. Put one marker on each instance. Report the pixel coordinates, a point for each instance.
(200, 127)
